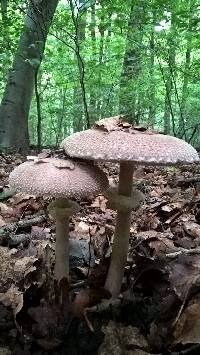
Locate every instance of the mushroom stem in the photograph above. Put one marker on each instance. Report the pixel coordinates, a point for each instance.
(61, 209)
(62, 249)
(122, 233)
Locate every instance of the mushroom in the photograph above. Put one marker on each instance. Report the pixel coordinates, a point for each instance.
(63, 180)
(130, 147)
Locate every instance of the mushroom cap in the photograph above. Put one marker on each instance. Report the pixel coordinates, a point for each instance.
(58, 178)
(136, 147)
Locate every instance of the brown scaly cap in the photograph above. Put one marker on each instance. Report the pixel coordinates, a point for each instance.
(134, 146)
(58, 178)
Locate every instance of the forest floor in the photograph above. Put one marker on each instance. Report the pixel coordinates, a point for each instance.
(158, 311)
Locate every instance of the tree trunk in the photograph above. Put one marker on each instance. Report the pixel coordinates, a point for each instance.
(101, 54)
(168, 112)
(107, 105)
(152, 110)
(93, 92)
(168, 105)
(39, 115)
(4, 5)
(81, 114)
(132, 60)
(184, 96)
(14, 109)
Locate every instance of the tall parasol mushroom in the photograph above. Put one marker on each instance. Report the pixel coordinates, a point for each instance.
(64, 180)
(130, 147)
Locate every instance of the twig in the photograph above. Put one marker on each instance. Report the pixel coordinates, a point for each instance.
(183, 251)
(105, 305)
(90, 256)
(77, 284)
(184, 181)
(183, 303)
(89, 324)
(7, 231)
(187, 351)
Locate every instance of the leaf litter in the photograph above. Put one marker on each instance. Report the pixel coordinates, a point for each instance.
(158, 309)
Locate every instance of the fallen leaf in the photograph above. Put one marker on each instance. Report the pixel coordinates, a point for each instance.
(20, 197)
(2, 172)
(187, 328)
(5, 210)
(82, 227)
(184, 274)
(120, 339)
(109, 124)
(172, 206)
(46, 153)
(12, 298)
(5, 351)
(192, 229)
(2, 222)
(100, 202)
(61, 163)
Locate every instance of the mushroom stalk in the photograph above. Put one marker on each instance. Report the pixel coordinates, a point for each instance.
(62, 249)
(122, 233)
(61, 209)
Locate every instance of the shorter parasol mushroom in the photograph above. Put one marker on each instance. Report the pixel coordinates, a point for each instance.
(120, 142)
(63, 180)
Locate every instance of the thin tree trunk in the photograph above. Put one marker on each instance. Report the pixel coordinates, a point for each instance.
(168, 112)
(81, 114)
(14, 109)
(39, 115)
(152, 109)
(107, 107)
(93, 92)
(168, 105)
(101, 54)
(61, 116)
(184, 96)
(132, 60)
(4, 5)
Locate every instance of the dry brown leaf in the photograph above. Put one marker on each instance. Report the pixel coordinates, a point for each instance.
(120, 339)
(93, 229)
(63, 164)
(187, 328)
(45, 153)
(2, 172)
(82, 227)
(149, 221)
(2, 222)
(162, 245)
(12, 298)
(20, 197)
(100, 202)
(40, 233)
(192, 229)
(184, 274)
(109, 124)
(5, 210)
(172, 206)
(12, 268)
(5, 351)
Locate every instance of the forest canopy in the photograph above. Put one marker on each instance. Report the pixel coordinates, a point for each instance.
(96, 59)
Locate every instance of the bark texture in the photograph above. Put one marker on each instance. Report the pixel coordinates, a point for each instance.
(132, 61)
(169, 83)
(184, 98)
(15, 105)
